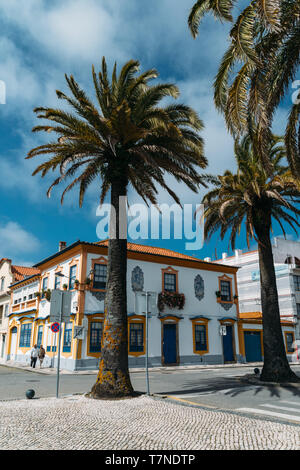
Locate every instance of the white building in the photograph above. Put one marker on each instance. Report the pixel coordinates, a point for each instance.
(185, 326)
(9, 274)
(287, 268)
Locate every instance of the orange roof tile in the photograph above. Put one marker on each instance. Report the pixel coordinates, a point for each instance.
(21, 272)
(258, 316)
(153, 250)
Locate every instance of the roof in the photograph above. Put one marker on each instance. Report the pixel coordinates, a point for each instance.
(22, 272)
(153, 250)
(258, 316)
(144, 250)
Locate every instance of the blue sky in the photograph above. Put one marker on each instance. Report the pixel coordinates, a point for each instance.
(41, 41)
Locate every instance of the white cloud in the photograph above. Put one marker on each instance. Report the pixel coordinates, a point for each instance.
(15, 241)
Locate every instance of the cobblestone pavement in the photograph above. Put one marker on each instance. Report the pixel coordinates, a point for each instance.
(143, 423)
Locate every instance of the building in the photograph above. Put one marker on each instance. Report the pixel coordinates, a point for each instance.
(187, 324)
(287, 268)
(9, 274)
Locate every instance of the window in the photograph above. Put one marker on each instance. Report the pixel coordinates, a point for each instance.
(96, 330)
(298, 309)
(57, 282)
(25, 335)
(40, 336)
(297, 282)
(289, 338)
(30, 296)
(72, 277)
(170, 282)
(100, 272)
(136, 337)
(225, 291)
(2, 284)
(24, 298)
(67, 338)
(200, 338)
(1, 313)
(6, 310)
(44, 286)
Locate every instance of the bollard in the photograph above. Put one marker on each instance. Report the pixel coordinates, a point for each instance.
(30, 394)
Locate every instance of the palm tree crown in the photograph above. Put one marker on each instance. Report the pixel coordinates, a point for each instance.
(257, 69)
(125, 135)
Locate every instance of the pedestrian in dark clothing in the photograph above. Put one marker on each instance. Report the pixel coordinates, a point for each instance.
(34, 355)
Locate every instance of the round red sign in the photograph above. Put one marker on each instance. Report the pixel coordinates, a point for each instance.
(55, 327)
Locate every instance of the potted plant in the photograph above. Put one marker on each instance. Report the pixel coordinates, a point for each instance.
(38, 295)
(218, 294)
(235, 298)
(48, 295)
(76, 284)
(88, 283)
(65, 286)
(171, 300)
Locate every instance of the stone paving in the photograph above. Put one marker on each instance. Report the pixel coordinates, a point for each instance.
(143, 423)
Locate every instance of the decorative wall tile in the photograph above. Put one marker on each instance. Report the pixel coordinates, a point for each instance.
(137, 279)
(199, 287)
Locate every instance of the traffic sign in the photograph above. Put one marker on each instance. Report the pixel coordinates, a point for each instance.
(60, 306)
(55, 327)
(78, 332)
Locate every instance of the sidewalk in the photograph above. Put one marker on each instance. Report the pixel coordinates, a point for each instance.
(53, 370)
(143, 423)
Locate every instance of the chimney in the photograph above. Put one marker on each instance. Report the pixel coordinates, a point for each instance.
(62, 246)
(238, 253)
(224, 255)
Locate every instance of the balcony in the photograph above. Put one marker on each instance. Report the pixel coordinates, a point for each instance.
(29, 304)
(171, 300)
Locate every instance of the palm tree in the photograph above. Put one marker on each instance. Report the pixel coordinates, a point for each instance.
(253, 199)
(257, 69)
(125, 139)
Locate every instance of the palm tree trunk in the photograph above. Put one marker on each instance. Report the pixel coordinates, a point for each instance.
(276, 366)
(113, 380)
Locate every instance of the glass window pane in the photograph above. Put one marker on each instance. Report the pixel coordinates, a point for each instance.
(225, 291)
(200, 338)
(72, 277)
(96, 330)
(170, 282)
(136, 337)
(100, 273)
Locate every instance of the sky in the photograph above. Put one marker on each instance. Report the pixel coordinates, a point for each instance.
(40, 42)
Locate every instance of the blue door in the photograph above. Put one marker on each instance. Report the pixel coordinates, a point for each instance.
(253, 346)
(228, 345)
(169, 344)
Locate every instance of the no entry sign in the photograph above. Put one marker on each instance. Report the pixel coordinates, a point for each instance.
(55, 327)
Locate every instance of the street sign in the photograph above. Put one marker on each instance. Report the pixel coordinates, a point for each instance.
(79, 331)
(140, 305)
(61, 302)
(55, 327)
(223, 330)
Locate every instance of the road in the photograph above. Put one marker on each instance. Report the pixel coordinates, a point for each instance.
(219, 388)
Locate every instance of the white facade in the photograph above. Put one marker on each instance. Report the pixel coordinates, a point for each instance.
(188, 335)
(286, 255)
(5, 281)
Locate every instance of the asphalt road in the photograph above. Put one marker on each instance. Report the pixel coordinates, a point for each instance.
(215, 388)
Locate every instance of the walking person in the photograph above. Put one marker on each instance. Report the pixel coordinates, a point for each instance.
(34, 355)
(41, 355)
